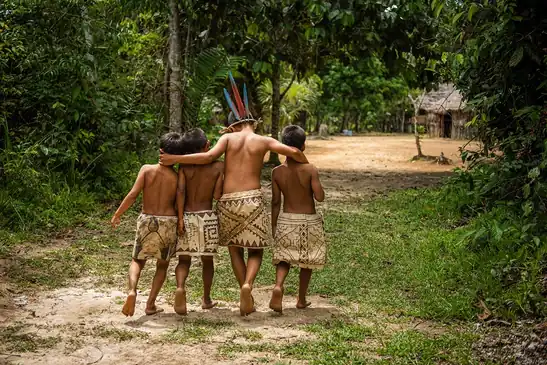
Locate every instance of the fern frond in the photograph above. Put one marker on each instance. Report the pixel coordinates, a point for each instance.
(208, 70)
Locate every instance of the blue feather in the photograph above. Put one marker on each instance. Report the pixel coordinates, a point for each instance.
(231, 78)
(230, 104)
(246, 100)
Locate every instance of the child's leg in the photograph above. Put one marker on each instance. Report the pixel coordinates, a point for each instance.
(135, 269)
(305, 276)
(238, 264)
(246, 303)
(181, 273)
(281, 272)
(207, 275)
(157, 283)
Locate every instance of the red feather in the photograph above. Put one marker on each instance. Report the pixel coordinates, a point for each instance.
(237, 97)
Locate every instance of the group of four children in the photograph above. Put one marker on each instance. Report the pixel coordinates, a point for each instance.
(178, 219)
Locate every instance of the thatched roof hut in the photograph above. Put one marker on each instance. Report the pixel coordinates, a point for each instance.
(445, 99)
(443, 115)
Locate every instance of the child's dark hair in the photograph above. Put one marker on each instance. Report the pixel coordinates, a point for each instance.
(293, 136)
(195, 140)
(172, 143)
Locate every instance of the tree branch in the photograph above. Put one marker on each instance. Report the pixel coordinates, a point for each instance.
(288, 87)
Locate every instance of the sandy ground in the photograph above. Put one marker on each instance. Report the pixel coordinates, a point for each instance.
(365, 166)
(351, 168)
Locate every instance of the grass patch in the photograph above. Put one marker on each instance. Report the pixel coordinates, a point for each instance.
(119, 334)
(412, 347)
(15, 341)
(195, 331)
(248, 335)
(338, 342)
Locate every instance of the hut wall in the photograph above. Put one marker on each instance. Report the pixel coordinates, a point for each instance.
(433, 124)
(459, 130)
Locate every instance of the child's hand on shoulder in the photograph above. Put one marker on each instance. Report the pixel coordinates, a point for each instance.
(115, 222)
(180, 226)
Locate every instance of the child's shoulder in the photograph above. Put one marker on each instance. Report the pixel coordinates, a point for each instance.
(148, 167)
(279, 168)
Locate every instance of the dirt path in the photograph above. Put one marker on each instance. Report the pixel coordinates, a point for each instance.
(82, 324)
(365, 166)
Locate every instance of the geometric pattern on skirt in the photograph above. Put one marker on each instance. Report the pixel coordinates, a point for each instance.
(300, 241)
(156, 237)
(243, 220)
(200, 236)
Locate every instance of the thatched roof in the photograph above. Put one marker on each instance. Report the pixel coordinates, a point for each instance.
(446, 98)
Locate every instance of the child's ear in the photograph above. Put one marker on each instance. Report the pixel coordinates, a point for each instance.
(303, 147)
(207, 146)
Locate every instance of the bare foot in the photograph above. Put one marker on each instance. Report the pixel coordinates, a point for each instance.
(152, 310)
(129, 306)
(207, 304)
(180, 302)
(276, 303)
(301, 305)
(246, 303)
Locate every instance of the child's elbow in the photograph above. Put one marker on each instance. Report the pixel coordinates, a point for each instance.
(320, 197)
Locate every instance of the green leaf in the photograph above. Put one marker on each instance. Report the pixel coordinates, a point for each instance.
(534, 173)
(472, 10)
(527, 207)
(526, 190)
(257, 66)
(76, 92)
(472, 121)
(516, 57)
(76, 115)
(252, 29)
(457, 17)
(333, 14)
(438, 10)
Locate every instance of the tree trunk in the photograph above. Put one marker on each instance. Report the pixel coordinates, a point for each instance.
(417, 137)
(175, 88)
(317, 123)
(357, 122)
(165, 92)
(276, 103)
(301, 119)
(403, 120)
(343, 124)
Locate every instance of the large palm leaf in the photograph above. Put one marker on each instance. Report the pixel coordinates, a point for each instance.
(207, 71)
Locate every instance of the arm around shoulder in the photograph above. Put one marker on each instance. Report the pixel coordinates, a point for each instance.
(292, 152)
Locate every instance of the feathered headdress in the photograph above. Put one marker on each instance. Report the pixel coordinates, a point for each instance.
(240, 109)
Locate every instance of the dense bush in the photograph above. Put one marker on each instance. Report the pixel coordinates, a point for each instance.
(80, 106)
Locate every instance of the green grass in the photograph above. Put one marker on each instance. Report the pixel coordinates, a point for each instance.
(118, 334)
(17, 341)
(346, 342)
(248, 335)
(412, 347)
(199, 330)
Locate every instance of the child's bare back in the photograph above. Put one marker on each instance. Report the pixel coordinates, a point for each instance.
(159, 190)
(298, 183)
(203, 183)
(244, 158)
